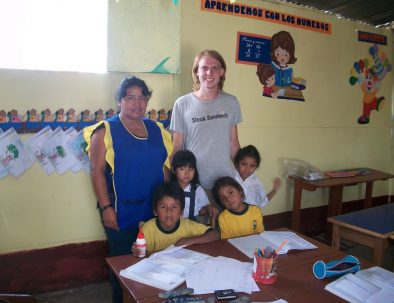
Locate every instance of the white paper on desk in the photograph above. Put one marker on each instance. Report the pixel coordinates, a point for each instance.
(274, 239)
(357, 290)
(378, 276)
(156, 272)
(220, 273)
(165, 269)
(179, 255)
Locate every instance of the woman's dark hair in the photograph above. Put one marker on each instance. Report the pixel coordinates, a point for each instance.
(225, 181)
(285, 41)
(172, 190)
(247, 151)
(184, 158)
(130, 82)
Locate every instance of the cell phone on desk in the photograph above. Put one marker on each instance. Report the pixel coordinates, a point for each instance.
(225, 294)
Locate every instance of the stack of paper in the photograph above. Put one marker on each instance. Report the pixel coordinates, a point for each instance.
(220, 273)
(164, 270)
(274, 239)
(373, 285)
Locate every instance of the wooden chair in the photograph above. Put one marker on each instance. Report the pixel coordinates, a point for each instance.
(16, 298)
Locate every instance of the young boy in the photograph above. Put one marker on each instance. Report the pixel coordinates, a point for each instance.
(169, 227)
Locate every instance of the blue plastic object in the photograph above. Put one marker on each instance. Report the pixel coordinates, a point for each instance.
(336, 268)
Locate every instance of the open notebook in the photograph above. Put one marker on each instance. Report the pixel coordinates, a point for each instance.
(165, 269)
(372, 285)
(274, 239)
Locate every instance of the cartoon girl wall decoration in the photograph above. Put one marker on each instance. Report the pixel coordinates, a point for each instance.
(282, 54)
(284, 85)
(369, 73)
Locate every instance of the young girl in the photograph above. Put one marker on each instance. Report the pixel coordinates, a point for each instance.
(238, 218)
(246, 161)
(184, 172)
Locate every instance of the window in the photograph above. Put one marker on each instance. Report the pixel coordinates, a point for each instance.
(59, 35)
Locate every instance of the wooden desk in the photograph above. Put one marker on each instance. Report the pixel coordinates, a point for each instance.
(336, 190)
(371, 227)
(295, 282)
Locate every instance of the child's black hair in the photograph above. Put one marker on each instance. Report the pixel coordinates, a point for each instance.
(247, 151)
(226, 181)
(184, 158)
(172, 190)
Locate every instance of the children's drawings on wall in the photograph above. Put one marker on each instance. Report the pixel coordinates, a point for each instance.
(57, 146)
(277, 76)
(368, 73)
(13, 154)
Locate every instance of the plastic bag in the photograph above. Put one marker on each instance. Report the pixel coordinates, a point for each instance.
(303, 169)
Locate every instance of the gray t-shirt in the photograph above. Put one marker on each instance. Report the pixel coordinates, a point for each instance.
(206, 126)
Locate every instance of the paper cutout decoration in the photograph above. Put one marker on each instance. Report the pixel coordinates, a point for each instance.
(13, 155)
(77, 145)
(278, 80)
(3, 169)
(57, 152)
(35, 144)
(369, 73)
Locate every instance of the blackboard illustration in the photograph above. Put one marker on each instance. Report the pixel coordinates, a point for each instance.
(282, 53)
(369, 73)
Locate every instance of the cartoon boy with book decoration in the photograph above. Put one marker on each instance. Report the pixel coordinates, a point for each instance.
(369, 73)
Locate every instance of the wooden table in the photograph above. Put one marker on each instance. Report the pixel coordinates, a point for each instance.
(335, 186)
(295, 280)
(371, 227)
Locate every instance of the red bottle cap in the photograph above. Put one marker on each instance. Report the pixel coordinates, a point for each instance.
(140, 235)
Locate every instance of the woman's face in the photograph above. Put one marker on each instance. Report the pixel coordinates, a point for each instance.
(133, 105)
(282, 56)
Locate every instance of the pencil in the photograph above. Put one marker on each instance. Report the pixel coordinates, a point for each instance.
(281, 246)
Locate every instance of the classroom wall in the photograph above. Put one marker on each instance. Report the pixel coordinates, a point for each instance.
(323, 130)
(38, 211)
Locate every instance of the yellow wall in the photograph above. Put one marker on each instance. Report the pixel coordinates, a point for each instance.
(39, 211)
(323, 130)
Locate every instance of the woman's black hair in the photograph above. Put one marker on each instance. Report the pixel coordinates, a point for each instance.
(226, 181)
(172, 190)
(184, 158)
(130, 82)
(247, 151)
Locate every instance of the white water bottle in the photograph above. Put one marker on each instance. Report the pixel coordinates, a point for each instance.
(141, 245)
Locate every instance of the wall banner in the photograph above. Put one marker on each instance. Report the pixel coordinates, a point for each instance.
(372, 38)
(262, 14)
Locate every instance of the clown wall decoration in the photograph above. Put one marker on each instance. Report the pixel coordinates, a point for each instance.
(369, 73)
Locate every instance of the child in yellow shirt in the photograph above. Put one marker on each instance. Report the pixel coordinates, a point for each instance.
(169, 227)
(238, 218)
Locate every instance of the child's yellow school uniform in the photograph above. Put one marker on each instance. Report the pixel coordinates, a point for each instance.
(237, 224)
(157, 238)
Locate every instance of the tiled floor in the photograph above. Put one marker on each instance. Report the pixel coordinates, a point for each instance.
(93, 293)
(101, 292)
